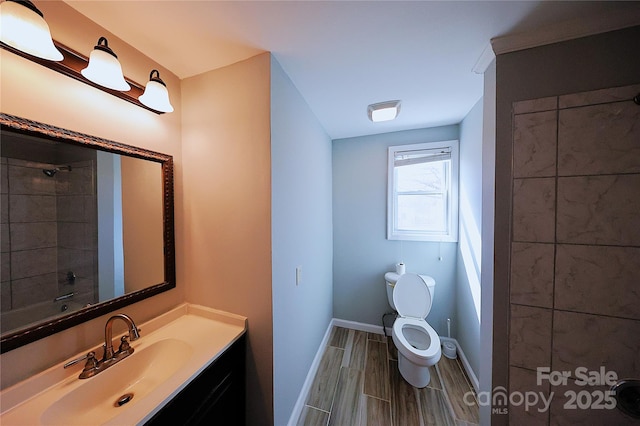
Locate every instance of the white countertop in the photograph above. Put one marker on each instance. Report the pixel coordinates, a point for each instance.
(207, 332)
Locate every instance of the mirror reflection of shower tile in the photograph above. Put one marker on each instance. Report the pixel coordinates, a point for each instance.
(28, 180)
(28, 263)
(32, 208)
(5, 296)
(34, 235)
(4, 238)
(5, 266)
(74, 235)
(71, 208)
(4, 208)
(4, 183)
(30, 290)
(77, 261)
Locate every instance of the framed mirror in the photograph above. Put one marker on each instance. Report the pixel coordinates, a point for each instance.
(87, 228)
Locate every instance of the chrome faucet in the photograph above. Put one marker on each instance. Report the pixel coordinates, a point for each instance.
(93, 366)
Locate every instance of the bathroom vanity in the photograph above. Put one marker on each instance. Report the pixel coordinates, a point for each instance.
(216, 396)
(187, 368)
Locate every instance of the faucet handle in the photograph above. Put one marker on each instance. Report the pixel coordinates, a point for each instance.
(90, 357)
(124, 345)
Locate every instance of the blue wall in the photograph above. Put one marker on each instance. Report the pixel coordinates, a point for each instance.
(467, 302)
(361, 252)
(301, 236)
(329, 217)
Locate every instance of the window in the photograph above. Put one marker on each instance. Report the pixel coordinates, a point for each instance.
(422, 202)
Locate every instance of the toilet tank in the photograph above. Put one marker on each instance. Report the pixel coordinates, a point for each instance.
(391, 278)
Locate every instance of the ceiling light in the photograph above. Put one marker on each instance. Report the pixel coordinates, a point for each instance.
(155, 94)
(22, 26)
(383, 111)
(104, 68)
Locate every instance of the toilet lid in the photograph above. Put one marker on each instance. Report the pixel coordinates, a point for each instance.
(411, 296)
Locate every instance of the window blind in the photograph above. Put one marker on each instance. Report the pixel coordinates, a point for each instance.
(406, 158)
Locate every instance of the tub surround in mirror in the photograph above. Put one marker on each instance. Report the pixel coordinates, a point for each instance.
(62, 202)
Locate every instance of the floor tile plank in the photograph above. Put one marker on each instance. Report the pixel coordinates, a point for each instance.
(348, 349)
(376, 380)
(324, 384)
(313, 417)
(338, 337)
(456, 386)
(358, 383)
(374, 412)
(346, 404)
(404, 404)
(434, 408)
(359, 350)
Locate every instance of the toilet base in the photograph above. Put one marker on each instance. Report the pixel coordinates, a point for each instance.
(416, 375)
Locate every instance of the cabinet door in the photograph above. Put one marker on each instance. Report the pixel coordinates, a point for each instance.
(215, 397)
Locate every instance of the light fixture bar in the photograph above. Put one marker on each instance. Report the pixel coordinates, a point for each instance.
(71, 65)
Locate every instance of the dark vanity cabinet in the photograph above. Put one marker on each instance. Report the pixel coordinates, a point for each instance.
(215, 397)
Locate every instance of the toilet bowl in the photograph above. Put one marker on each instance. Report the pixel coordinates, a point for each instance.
(417, 342)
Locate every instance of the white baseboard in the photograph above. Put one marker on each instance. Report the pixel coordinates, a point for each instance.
(360, 326)
(304, 392)
(306, 386)
(465, 362)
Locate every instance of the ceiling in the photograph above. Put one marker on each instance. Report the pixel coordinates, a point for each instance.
(342, 55)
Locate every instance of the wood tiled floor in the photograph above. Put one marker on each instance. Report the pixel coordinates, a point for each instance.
(358, 384)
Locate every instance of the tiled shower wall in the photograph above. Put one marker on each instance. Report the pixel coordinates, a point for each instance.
(48, 228)
(575, 250)
(77, 222)
(28, 234)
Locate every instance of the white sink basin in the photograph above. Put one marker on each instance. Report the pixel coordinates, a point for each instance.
(172, 350)
(136, 375)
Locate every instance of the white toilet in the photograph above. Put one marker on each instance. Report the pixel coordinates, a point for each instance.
(418, 344)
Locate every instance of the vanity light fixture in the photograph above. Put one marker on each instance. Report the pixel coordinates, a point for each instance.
(22, 26)
(155, 94)
(104, 68)
(383, 111)
(101, 70)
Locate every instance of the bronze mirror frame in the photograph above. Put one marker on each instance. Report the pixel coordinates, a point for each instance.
(35, 332)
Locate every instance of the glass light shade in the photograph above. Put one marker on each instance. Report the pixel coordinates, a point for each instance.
(383, 111)
(23, 27)
(156, 95)
(104, 68)
(384, 114)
